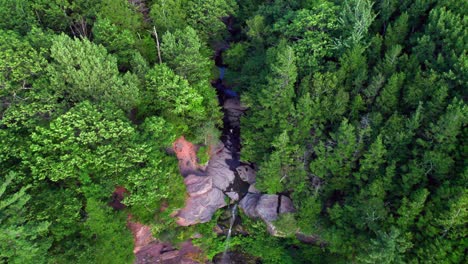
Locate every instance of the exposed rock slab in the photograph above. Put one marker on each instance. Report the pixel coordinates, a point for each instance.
(252, 189)
(198, 185)
(219, 170)
(234, 109)
(148, 250)
(200, 209)
(266, 207)
(234, 196)
(246, 173)
(249, 204)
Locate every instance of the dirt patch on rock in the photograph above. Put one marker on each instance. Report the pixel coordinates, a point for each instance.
(186, 153)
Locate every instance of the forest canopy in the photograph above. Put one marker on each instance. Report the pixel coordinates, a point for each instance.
(356, 111)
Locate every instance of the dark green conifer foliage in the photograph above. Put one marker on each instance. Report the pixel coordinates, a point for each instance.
(357, 112)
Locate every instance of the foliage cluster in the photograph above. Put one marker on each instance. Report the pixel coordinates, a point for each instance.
(358, 113)
(85, 106)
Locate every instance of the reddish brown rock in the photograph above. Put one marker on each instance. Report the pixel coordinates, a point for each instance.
(203, 188)
(148, 250)
(186, 153)
(117, 197)
(141, 234)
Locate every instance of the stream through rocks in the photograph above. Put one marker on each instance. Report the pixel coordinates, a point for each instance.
(225, 175)
(224, 183)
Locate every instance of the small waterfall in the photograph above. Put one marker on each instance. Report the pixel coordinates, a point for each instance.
(225, 259)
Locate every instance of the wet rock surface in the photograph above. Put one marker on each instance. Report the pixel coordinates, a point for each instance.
(208, 187)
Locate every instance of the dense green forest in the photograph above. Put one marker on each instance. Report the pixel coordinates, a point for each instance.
(357, 112)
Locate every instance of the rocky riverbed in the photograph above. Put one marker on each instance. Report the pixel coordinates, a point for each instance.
(225, 179)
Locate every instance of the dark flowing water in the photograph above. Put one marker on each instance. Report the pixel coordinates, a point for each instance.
(231, 129)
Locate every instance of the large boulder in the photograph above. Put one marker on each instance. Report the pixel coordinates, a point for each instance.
(249, 204)
(203, 198)
(219, 170)
(267, 207)
(200, 209)
(234, 109)
(246, 173)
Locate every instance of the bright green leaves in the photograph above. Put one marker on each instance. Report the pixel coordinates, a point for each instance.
(186, 55)
(16, 15)
(453, 223)
(168, 15)
(84, 139)
(309, 30)
(63, 123)
(445, 133)
(202, 15)
(120, 28)
(372, 160)
(82, 71)
(205, 16)
(182, 104)
(157, 178)
(329, 98)
(448, 30)
(21, 238)
(388, 247)
(20, 65)
(172, 96)
(19, 62)
(122, 14)
(117, 41)
(380, 121)
(256, 29)
(411, 207)
(388, 98)
(335, 158)
(22, 101)
(106, 229)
